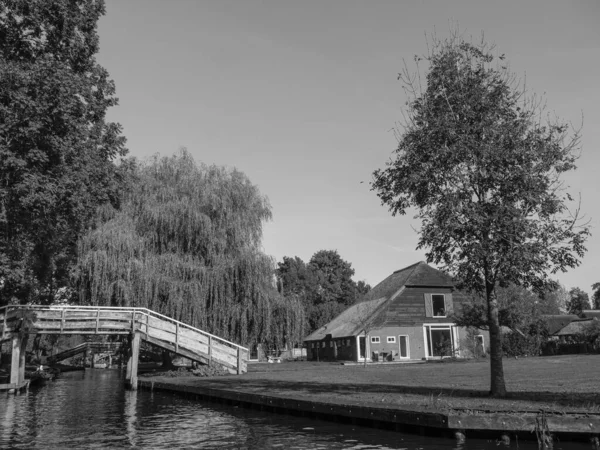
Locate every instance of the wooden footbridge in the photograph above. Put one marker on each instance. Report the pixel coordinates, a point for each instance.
(17, 322)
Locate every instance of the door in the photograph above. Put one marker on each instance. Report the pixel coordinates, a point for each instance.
(404, 348)
(362, 347)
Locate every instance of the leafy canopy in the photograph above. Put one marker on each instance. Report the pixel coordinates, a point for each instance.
(578, 302)
(324, 285)
(483, 172)
(56, 147)
(187, 243)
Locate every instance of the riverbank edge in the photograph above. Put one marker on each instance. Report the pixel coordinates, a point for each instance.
(452, 424)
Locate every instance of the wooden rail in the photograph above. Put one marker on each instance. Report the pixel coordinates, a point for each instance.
(83, 348)
(153, 327)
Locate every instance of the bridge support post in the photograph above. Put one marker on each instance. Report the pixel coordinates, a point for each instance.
(17, 366)
(132, 363)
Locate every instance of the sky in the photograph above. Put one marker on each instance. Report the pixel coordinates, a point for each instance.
(303, 97)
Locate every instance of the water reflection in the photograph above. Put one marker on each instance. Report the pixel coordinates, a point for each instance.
(91, 410)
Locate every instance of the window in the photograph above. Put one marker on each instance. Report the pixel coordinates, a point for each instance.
(375, 340)
(330, 344)
(348, 343)
(391, 339)
(441, 340)
(439, 306)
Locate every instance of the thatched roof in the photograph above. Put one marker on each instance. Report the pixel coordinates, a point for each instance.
(557, 322)
(590, 313)
(350, 322)
(574, 328)
(353, 320)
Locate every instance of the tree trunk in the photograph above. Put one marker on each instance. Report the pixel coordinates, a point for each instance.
(498, 387)
(365, 352)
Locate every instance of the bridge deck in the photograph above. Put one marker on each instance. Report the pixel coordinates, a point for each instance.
(153, 327)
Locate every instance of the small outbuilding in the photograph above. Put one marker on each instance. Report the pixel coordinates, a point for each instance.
(405, 317)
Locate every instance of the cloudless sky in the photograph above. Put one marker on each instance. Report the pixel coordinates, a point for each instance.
(302, 96)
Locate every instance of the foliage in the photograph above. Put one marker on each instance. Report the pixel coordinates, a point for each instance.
(579, 301)
(483, 172)
(187, 243)
(333, 277)
(56, 147)
(472, 344)
(517, 308)
(590, 334)
(556, 297)
(324, 286)
(529, 343)
(596, 295)
(288, 323)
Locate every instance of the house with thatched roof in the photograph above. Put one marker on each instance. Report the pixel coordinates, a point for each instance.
(405, 317)
(556, 322)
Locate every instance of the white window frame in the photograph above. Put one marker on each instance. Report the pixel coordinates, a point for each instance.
(391, 339)
(375, 340)
(453, 335)
(433, 308)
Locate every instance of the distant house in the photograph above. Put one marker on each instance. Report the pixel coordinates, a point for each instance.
(590, 314)
(557, 322)
(573, 329)
(405, 317)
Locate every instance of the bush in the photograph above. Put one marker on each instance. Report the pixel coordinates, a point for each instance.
(517, 344)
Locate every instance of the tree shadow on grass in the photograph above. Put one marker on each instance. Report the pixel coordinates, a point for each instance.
(295, 388)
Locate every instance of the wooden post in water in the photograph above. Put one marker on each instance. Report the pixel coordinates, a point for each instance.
(132, 363)
(17, 366)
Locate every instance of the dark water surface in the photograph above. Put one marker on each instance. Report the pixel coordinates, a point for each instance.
(91, 410)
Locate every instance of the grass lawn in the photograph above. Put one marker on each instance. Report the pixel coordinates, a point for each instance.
(562, 384)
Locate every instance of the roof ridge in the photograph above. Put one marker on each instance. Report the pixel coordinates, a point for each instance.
(408, 267)
(413, 271)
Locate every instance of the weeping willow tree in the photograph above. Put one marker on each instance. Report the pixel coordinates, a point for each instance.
(186, 243)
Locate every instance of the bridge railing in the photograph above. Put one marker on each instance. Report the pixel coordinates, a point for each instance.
(156, 328)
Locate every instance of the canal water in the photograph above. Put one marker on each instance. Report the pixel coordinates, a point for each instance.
(92, 410)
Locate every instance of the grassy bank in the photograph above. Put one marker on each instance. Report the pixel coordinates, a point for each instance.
(560, 384)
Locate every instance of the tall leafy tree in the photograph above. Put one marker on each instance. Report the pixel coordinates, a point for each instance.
(187, 243)
(579, 301)
(483, 171)
(324, 285)
(56, 147)
(596, 295)
(333, 278)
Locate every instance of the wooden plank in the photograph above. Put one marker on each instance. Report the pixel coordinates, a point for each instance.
(193, 334)
(81, 325)
(224, 348)
(559, 423)
(194, 345)
(160, 334)
(162, 325)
